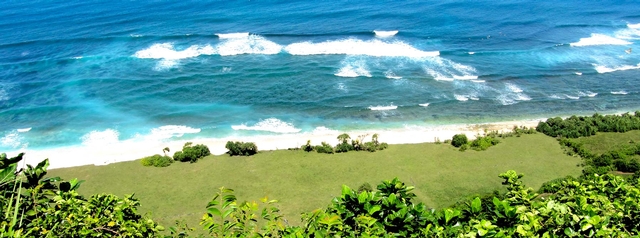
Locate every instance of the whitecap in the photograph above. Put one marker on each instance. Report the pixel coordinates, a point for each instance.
(251, 44)
(169, 131)
(101, 138)
(359, 47)
(599, 39)
(233, 35)
(461, 98)
(385, 33)
(572, 97)
(424, 104)
(578, 73)
(390, 75)
(383, 108)
(478, 81)
(556, 96)
(352, 69)
(135, 35)
(513, 88)
(471, 52)
(633, 26)
(78, 57)
(587, 94)
(166, 51)
(474, 98)
(604, 69)
(465, 77)
(21, 130)
(622, 92)
(270, 125)
(321, 130)
(11, 139)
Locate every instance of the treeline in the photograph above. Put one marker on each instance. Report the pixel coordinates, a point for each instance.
(575, 126)
(490, 138)
(602, 206)
(346, 144)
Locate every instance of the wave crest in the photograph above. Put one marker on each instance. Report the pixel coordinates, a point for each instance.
(384, 34)
(270, 125)
(359, 47)
(600, 39)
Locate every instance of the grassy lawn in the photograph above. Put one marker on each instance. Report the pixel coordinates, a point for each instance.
(606, 141)
(306, 181)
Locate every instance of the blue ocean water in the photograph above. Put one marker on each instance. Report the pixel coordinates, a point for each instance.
(94, 71)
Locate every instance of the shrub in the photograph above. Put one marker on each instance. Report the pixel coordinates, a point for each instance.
(459, 140)
(241, 148)
(627, 165)
(344, 147)
(464, 147)
(365, 187)
(554, 186)
(191, 153)
(483, 142)
(324, 148)
(157, 161)
(307, 147)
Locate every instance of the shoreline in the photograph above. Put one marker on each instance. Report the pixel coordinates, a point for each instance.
(129, 150)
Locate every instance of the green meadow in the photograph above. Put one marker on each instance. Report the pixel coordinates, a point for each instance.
(303, 181)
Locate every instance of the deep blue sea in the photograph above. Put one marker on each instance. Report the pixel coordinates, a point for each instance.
(74, 72)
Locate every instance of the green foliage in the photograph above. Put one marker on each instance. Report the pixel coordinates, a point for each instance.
(157, 161)
(241, 148)
(365, 187)
(191, 153)
(324, 148)
(574, 126)
(307, 147)
(483, 142)
(459, 140)
(554, 186)
(464, 147)
(34, 206)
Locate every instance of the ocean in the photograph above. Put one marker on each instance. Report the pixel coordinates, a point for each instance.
(77, 73)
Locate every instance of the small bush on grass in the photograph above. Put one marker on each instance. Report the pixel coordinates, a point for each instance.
(157, 161)
(241, 148)
(483, 142)
(464, 147)
(365, 187)
(324, 148)
(308, 147)
(459, 140)
(191, 153)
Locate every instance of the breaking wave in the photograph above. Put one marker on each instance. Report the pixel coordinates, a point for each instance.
(270, 125)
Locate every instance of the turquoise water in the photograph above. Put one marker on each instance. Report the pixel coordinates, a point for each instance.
(92, 72)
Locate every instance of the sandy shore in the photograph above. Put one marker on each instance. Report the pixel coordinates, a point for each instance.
(127, 150)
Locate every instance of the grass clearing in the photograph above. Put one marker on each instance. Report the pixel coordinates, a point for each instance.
(304, 181)
(607, 141)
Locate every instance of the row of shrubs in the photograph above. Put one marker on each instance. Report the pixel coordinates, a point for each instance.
(621, 159)
(346, 144)
(480, 143)
(574, 126)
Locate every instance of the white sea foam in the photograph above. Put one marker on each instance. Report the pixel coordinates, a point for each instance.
(135, 35)
(461, 98)
(513, 88)
(233, 35)
(225, 69)
(572, 97)
(11, 139)
(474, 98)
(587, 94)
(22, 130)
(321, 130)
(600, 39)
(604, 69)
(358, 47)
(353, 68)
(556, 96)
(383, 108)
(101, 138)
(478, 81)
(471, 52)
(250, 44)
(3, 94)
(342, 87)
(424, 104)
(578, 73)
(166, 51)
(169, 131)
(385, 33)
(633, 26)
(78, 57)
(465, 77)
(622, 92)
(390, 75)
(271, 125)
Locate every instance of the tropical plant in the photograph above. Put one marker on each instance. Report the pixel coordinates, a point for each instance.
(191, 153)
(459, 140)
(241, 148)
(157, 161)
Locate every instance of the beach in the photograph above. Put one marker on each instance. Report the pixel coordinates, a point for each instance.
(114, 151)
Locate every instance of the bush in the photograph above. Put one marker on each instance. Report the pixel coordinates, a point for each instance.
(627, 165)
(483, 142)
(157, 161)
(308, 147)
(365, 187)
(344, 147)
(464, 147)
(324, 148)
(459, 140)
(554, 186)
(241, 148)
(191, 153)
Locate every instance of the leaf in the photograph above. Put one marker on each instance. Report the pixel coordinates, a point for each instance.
(476, 205)
(8, 174)
(214, 211)
(345, 190)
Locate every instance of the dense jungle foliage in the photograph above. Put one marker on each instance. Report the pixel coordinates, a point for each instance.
(574, 126)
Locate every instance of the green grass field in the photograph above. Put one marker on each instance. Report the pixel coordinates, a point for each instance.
(606, 141)
(304, 181)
